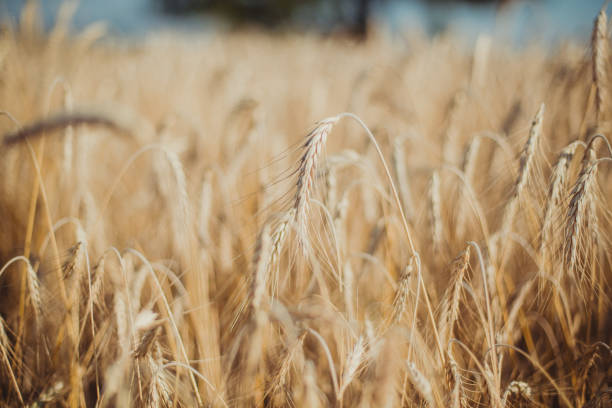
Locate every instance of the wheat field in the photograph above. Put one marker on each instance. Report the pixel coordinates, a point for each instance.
(245, 220)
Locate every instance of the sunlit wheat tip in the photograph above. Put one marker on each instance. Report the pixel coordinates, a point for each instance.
(313, 148)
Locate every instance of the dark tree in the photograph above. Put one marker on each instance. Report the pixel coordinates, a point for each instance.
(351, 15)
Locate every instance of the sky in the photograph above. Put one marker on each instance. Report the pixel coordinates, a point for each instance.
(547, 21)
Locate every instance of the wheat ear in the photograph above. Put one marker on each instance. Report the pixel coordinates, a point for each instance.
(452, 297)
(557, 183)
(435, 212)
(577, 214)
(420, 383)
(401, 293)
(600, 55)
(526, 163)
(469, 169)
(260, 268)
(313, 147)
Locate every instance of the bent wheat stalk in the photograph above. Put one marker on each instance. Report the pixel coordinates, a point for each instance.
(308, 165)
(307, 172)
(62, 121)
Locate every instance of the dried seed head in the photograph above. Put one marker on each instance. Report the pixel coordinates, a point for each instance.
(278, 237)
(401, 293)
(315, 142)
(577, 214)
(469, 168)
(145, 343)
(557, 184)
(420, 383)
(454, 380)
(600, 49)
(97, 281)
(206, 200)
(347, 289)
(34, 289)
(353, 362)
(401, 172)
(435, 213)
(526, 163)
(75, 258)
(517, 390)
(452, 296)
(260, 267)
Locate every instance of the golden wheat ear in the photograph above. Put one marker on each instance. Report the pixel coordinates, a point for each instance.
(307, 170)
(600, 60)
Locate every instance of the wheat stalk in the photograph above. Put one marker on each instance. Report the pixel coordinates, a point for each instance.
(62, 121)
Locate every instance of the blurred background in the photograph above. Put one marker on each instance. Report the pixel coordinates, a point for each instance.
(519, 21)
